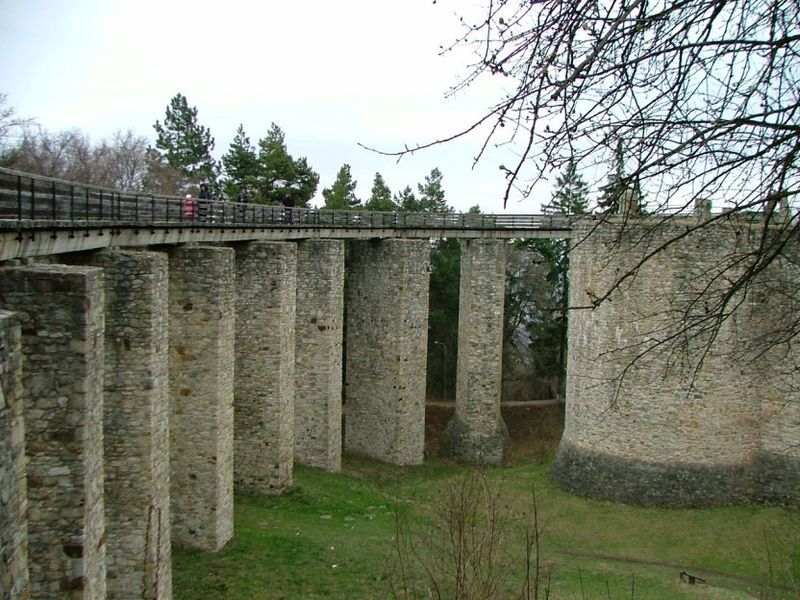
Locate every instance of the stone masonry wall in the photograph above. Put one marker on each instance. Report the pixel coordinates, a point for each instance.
(668, 432)
(477, 433)
(201, 366)
(318, 354)
(136, 424)
(264, 406)
(14, 582)
(775, 375)
(387, 338)
(61, 316)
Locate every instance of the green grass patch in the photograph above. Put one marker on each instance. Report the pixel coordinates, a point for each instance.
(332, 536)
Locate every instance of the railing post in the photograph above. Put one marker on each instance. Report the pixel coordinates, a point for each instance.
(33, 200)
(53, 200)
(100, 209)
(19, 197)
(72, 204)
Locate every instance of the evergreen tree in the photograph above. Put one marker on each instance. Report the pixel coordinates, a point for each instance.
(184, 144)
(380, 200)
(571, 196)
(281, 179)
(432, 193)
(240, 164)
(406, 201)
(341, 195)
(620, 188)
(539, 307)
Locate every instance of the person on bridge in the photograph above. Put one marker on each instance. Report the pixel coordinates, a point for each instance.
(204, 208)
(244, 198)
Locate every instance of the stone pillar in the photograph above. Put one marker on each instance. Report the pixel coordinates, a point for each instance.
(201, 363)
(136, 424)
(386, 351)
(318, 354)
(14, 582)
(264, 407)
(61, 316)
(477, 433)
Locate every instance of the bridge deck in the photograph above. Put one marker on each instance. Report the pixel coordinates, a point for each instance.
(41, 215)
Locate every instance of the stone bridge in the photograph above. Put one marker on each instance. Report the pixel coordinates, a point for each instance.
(159, 354)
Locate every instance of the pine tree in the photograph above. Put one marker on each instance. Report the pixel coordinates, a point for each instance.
(620, 188)
(406, 201)
(432, 193)
(184, 144)
(241, 165)
(341, 195)
(281, 179)
(571, 196)
(380, 199)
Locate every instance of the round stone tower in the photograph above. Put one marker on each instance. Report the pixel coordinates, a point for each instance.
(667, 404)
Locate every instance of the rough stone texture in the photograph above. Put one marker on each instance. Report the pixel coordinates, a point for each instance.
(476, 433)
(136, 424)
(318, 354)
(14, 582)
(669, 432)
(775, 376)
(201, 366)
(61, 316)
(386, 350)
(264, 406)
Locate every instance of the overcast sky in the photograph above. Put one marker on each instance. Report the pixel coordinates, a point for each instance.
(330, 74)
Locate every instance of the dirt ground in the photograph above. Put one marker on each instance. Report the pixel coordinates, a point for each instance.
(534, 431)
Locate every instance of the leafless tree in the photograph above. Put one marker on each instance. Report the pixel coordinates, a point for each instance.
(689, 102)
(120, 162)
(10, 122)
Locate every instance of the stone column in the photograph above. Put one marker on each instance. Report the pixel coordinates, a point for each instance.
(61, 315)
(201, 363)
(477, 433)
(14, 581)
(136, 424)
(264, 407)
(386, 352)
(318, 354)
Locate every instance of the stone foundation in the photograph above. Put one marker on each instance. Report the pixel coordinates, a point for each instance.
(318, 354)
(14, 582)
(61, 315)
(136, 424)
(264, 407)
(387, 339)
(476, 433)
(201, 366)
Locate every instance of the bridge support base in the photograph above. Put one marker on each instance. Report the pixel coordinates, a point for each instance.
(387, 338)
(136, 424)
(264, 388)
(201, 364)
(14, 581)
(477, 433)
(61, 315)
(318, 354)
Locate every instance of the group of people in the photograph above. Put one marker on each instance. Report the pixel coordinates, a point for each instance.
(201, 208)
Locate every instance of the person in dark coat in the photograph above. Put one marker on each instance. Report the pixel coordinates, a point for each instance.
(204, 207)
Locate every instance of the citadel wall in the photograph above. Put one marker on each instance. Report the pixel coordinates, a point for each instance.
(690, 421)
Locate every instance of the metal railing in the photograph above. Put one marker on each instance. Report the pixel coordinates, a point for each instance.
(33, 201)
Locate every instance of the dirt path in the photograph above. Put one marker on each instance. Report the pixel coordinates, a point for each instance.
(704, 573)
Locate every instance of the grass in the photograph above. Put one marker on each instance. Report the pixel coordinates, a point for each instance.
(332, 536)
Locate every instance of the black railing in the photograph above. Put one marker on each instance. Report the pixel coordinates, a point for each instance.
(28, 201)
